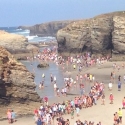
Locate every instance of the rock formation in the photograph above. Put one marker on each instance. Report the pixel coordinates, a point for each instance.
(13, 42)
(16, 82)
(46, 29)
(43, 65)
(101, 34)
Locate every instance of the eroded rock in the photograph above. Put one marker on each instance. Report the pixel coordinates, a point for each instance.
(13, 42)
(102, 34)
(16, 82)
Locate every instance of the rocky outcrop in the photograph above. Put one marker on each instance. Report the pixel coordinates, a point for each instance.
(101, 34)
(13, 42)
(46, 29)
(43, 65)
(32, 47)
(16, 82)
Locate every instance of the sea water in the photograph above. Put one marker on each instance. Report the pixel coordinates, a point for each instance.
(26, 33)
(48, 86)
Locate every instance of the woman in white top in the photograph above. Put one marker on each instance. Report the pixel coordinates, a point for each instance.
(110, 86)
(55, 86)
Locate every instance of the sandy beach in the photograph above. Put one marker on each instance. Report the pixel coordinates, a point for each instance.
(103, 113)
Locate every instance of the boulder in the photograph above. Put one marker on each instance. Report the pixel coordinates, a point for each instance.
(43, 65)
(32, 47)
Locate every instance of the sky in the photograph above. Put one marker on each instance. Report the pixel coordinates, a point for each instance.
(31, 12)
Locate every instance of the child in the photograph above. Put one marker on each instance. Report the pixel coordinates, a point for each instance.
(72, 113)
(111, 98)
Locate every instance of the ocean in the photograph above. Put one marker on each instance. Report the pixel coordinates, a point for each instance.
(26, 33)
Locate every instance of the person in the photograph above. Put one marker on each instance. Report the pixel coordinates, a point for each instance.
(43, 76)
(119, 85)
(110, 86)
(82, 90)
(111, 98)
(13, 115)
(93, 78)
(46, 100)
(123, 103)
(72, 113)
(42, 84)
(58, 92)
(67, 122)
(120, 115)
(117, 118)
(124, 78)
(103, 99)
(111, 75)
(51, 77)
(55, 86)
(77, 111)
(119, 78)
(39, 121)
(36, 112)
(9, 116)
(74, 66)
(54, 78)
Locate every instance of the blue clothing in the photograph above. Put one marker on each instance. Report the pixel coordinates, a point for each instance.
(13, 115)
(39, 122)
(72, 103)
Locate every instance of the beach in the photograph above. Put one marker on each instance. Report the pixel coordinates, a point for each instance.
(96, 113)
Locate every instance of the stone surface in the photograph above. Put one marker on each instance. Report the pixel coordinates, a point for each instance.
(32, 47)
(46, 29)
(16, 82)
(42, 65)
(102, 34)
(13, 42)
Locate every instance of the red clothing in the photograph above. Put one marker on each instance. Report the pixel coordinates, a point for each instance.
(35, 111)
(111, 97)
(46, 99)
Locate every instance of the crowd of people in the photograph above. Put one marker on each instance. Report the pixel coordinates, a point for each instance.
(46, 114)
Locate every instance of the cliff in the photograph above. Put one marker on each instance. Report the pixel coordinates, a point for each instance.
(102, 34)
(46, 29)
(12, 42)
(16, 82)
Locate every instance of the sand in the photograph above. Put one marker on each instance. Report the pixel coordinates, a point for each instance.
(103, 113)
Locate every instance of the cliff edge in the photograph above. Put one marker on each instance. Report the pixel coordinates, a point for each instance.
(13, 42)
(102, 34)
(46, 29)
(16, 82)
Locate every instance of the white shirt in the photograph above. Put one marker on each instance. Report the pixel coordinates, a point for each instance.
(124, 77)
(55, 86)
(110, 85)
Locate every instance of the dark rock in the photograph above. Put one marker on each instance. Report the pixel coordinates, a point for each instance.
(22, 58)
(46, 29)
(43, 65)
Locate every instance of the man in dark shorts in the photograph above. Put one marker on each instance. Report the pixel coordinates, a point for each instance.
(120, 115)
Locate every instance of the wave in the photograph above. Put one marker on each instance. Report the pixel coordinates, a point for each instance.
(18, 29)
(22, 32)
(31, 37)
